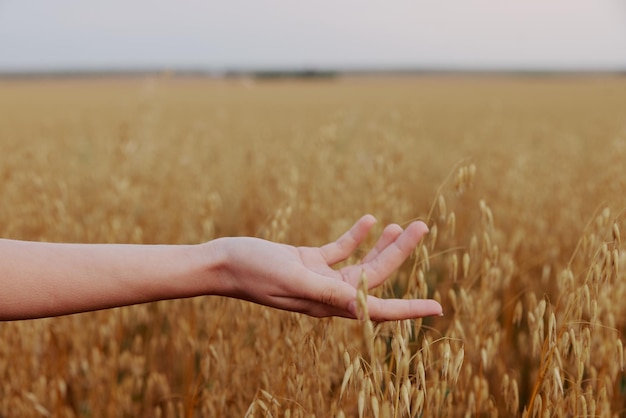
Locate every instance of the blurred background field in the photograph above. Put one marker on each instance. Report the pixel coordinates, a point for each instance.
(521, 180)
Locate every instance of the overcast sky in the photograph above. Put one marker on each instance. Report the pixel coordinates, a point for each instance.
(323, 34)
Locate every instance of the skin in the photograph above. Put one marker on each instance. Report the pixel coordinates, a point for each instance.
(49, 279)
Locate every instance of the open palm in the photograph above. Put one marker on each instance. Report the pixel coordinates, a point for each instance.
(302, 279)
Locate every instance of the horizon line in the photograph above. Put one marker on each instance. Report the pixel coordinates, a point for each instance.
(302, 71)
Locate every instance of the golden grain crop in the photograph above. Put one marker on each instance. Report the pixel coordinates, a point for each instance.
(521, 181)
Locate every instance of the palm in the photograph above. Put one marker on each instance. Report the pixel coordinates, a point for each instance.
(303, 279)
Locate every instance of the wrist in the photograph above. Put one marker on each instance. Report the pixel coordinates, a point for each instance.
(214, 261)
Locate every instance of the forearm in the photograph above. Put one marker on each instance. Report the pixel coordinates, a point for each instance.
(47, 279)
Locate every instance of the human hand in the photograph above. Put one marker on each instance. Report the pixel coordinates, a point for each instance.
(301, 279)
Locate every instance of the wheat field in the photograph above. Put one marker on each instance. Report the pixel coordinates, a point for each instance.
(520, 179)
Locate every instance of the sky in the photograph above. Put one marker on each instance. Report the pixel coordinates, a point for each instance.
(57, 35)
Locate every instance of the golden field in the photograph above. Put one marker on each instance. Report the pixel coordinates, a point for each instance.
(521, 181)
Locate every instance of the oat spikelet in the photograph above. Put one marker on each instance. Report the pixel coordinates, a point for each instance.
(580, 371)
(451, 224)
(487, 215)
(404, 394)
(541, 309)
(484, 357)
(432, 236)
(459, 181)
(346, 379)
(361, 403)
(473, 247)
(453, 300)
(346, 359)
(361, 298)
(558, 382)
(458, 364)
(264, 407)
(419, 402)
(375, 407)
(518, 313)
(445, 362)
(505, 385)
(421, 375)
(537, 407)
(441, 206)
(426, 258)
(471, 173)
(251, 410)
(583, 406)
(514, 396)
(270, 397)
(454, 266)
(466, 265)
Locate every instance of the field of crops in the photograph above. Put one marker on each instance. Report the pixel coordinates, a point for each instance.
(522, 182)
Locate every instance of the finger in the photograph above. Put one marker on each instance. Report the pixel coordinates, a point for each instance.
(389, 235)
(399, 309)
(342, 248)
(327, 297)
(379, 310)
(392, 257)
(312, 308)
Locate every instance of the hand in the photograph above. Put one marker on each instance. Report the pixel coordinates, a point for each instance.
(301, 279)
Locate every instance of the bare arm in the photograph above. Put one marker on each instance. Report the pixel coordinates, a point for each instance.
(47, 279)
